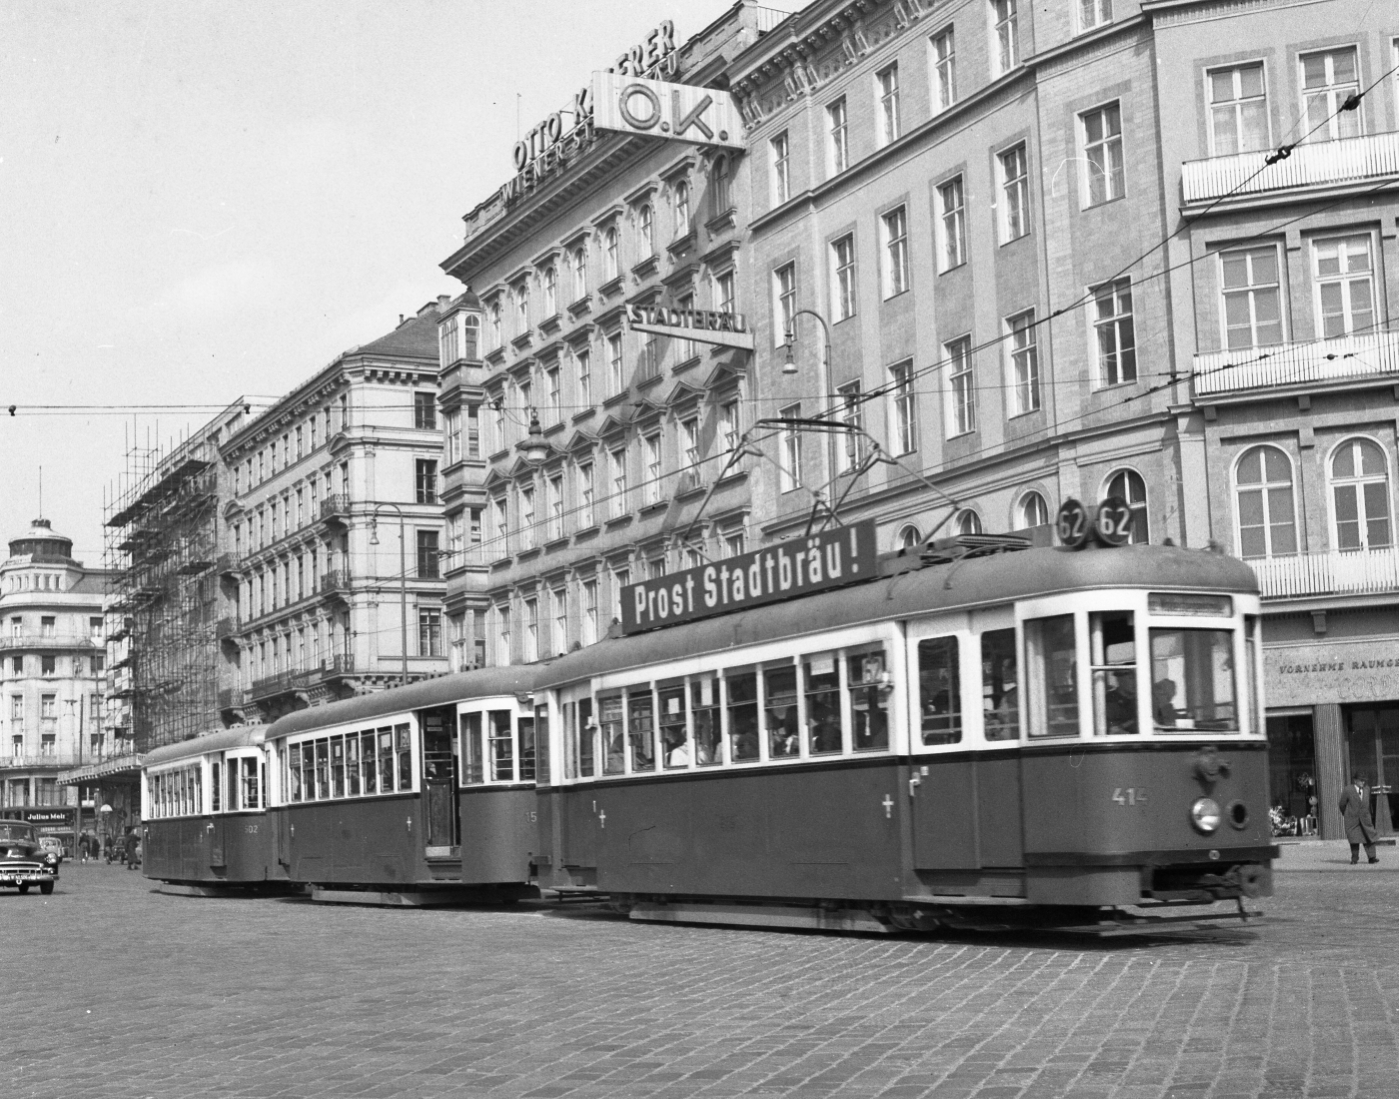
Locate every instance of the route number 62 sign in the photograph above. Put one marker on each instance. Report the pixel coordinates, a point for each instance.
(1111, 523)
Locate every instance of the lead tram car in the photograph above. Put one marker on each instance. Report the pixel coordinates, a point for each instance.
(1044, 737)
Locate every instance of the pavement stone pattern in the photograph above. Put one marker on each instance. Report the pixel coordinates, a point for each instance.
(111, 990)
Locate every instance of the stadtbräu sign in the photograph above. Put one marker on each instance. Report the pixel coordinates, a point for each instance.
(803, 566)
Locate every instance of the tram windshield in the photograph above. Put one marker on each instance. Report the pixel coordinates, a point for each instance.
(1192, 681)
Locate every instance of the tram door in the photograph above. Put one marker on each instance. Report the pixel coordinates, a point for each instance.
(440, 778)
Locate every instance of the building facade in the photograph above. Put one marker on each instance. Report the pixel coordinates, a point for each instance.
(52, 645)
(599, 444)
(333, 526)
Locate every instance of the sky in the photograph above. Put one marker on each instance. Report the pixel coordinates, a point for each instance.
(200, 201)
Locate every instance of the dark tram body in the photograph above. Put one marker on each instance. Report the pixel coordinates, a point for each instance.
(205, 812)
(421, 787)
(1040, 736)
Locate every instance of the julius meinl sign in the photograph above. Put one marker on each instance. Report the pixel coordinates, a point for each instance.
(804, 566)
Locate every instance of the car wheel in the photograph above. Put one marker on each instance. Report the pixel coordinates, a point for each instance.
(24, 887)
(46, 887)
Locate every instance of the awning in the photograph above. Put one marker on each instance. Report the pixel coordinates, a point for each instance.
(127, 766)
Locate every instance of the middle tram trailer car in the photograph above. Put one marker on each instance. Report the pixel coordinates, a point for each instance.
(418, 794)
(1034, 738)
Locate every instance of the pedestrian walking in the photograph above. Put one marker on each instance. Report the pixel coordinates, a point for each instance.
(1360, 825)
(132, 840)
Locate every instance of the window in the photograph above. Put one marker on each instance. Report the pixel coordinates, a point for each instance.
(852, 447)
(843, 277)
(1015, 194)
(578, 261)
(944, 70)
(903, 408)
(652, 447)
(619, 482)
(1127, 485)
(502, 635)
(521, 300)
(1112, 651)
(729, 425)
(645, 231)
(1102, 149)
(1051, 659)
(1266, 515)
(719, 185)
(1329, 78)
(837, 147)
(501, 513)
(583, 371)
(1238, 110)
(552, 395)
(551, 290)
(590, 623)
(789, 472)
(724, 292)
(425, 481)
(555, 507)
(961, 409)
(682, 208)
(94, 629)
(611, 262)
(689, 445)
(687, 349)
(48, 625)
(887, 91)
(1114, 337)
(48, 665)
(560, 633)
(48, 705)
(1093, 13)
(894, 226)
(429, 633)
(1024, 370)
(781, 169)
(615, 370)
(585, 494)
(1360, 496)
(784, 291)
(531, 637)
(952, 225)
(780, 710)
(1033, 511)
(966, 522)
(1000, 707)
(527, 532)
(939, 691)
(1007, 44)
(427, 555)
(425, 411)
(1341, 271)
(1249, 281)
(1192, 680)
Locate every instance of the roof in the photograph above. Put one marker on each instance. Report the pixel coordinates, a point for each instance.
(415, 336)
(441, 691)
(240, 736)
(977, 581)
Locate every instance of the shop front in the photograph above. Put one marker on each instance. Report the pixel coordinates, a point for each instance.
(1333, 712)
(57, 821)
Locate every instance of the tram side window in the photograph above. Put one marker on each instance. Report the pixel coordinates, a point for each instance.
(780, 688)
(352, 776)
(385, 736)
(1000, 699)
(869, 689)
(473, 772)
(337, 766)
(252, 784)
(822, 681)
(216, 788)
(1051, 671)
(502, 748)
(587, 738)
(527, 743)
(1192, 680)
(541, 744)
(743, 715)
(641, 730)
(610, 726)
(939, 690)
(1251, 655)
(704, 704)
(1112, 647)
(405, 757)
(369, 760)
(294, 772)
(322, 769)
(675, 748)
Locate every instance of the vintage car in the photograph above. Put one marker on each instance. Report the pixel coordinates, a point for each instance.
(54, 844)
(23, 860)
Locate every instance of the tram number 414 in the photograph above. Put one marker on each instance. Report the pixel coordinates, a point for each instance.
(1130, 795)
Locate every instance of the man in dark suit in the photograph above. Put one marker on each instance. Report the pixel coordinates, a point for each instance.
(1360, 826)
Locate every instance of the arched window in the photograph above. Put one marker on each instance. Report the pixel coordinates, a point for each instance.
(908, 538)
(579, 261)
(1128, 484)
(1360, 494)
(719, 182)
(645, 224)
(551, 291)
(1267, 517)
(470, 327)
(610, 266)
(967, 522)
(1034, 512)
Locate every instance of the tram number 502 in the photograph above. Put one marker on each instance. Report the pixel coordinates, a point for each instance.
(1130, 795)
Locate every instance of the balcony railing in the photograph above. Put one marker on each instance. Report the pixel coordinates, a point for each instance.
(1321, 362)
(1330, 572)
(334, 580)
(335, 506)
(1373, 156)
(54, 760)
(226, 627)
(231, 698)
(344, 664)
(31, 640)
(271, 685)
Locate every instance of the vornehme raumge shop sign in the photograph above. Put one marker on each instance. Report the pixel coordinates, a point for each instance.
(800, 567)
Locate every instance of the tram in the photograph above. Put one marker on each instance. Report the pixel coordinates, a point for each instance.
(204, 804)
(979, 735)
(420, 788)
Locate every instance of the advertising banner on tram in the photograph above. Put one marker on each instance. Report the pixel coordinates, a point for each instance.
(803, 566)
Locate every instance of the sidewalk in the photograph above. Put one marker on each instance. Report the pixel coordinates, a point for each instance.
(1333, 855)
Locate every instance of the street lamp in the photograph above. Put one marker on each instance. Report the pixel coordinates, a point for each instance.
(402, 575)
(534, 448)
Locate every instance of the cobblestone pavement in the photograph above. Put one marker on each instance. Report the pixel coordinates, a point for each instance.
(112, 990)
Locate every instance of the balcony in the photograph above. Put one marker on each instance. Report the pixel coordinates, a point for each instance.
(51, 761)
(1327, 363)
(1322, 164)
(337, 666)
(282, 683)
(335, 508)
(229, 565)
(335, 582)
(1330, 572)
(226, 628)
(49, 641)
(232, 698)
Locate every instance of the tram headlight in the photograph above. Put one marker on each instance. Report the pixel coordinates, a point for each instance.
(1205, 815)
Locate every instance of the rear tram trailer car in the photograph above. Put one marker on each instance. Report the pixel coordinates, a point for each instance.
(1044, 737)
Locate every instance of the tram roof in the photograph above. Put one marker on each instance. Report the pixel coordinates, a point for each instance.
(440, 691)
(971, 582)
(240, 736)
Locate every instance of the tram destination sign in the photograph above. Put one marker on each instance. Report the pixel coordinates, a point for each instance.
(803, 566)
